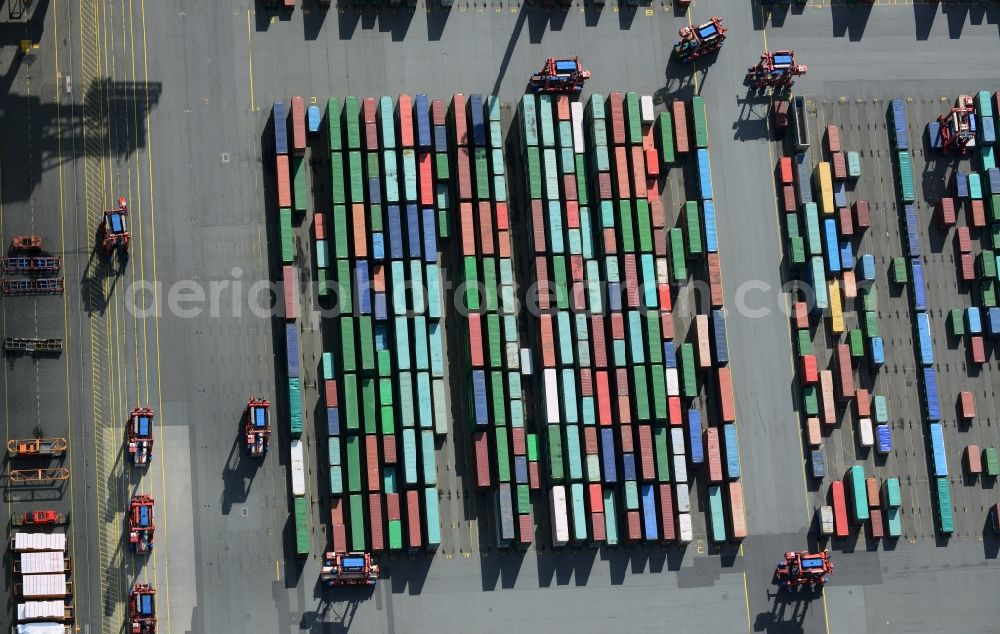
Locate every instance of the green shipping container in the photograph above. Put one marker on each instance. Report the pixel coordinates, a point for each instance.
(644, 226)
(853, 165)
(689, 383)
(352, 122)
(471, 277)
(986, 265)
(946, 512)
(287, 236)
(660, 440)
(369, 406)
(300, 513)
(367, 341)
(956, 320)
(353, 458)
(531, 440)
(813, 239)
(869, 298)
(358, 531)
(881, 406)
(859, 494)
(300, 188)
(627, 236)
(700, 122)
(677, 256)
(395, 534)
(350, 405)
(992, 462)
(692, 228)
(988, 293)
(341, 239)
(356, 177)
(633, 118)
(871, 324)
(798, 248)
(556, 470)
(334, 124)
(716, 514)
(295, 407)
(856, 342)
(640, 375)
(906, 189)
(666, 138)
(338, 193)
(810, 400)
(804, 339)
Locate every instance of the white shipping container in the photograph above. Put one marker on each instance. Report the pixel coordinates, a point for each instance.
(685, 534)
(682, 495)
(41, 628)
(43, 586)
(513, 356)
(826, 520)
(551, 396)
(593, 468)
(35, 610)
(677, 441)
(39, 541)
(865, 433)
(704, 351)
(526, 368)
(576, 114)
(38, 563)
(560, 522)
(646, 109)
(673, 383)
(440, 407)
(680, 469)
(662, 271)
(298, 466)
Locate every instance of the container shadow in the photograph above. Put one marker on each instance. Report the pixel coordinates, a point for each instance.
(850, 20)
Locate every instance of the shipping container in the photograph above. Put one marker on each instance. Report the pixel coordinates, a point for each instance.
(680, 126)
(298, 125)
(859, 499)
(945, 509)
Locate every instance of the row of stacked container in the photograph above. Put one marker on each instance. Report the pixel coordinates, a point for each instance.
(504, 453)
(284, 162)
(610, 372)
(857, 500)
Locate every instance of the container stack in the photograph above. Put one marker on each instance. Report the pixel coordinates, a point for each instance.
(499, 438)
(385, 390)
(42, 582)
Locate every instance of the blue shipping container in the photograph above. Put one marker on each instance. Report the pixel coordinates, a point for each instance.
(993, 321)
(718, 322)
(292, 347)
(732, 451)
(481, 413)
(430, 237)
(993, 180)
(960, 184)
(938, 452)
(521, 469)
(924, 341)
(628, 466)
(919, 288)
(280, 116)
(422, 110)
(878, 351)
(831, 247)
(381, 307)
(987, 131)
(846, 255)
(669, 354)
(395, 233)
(413, 230)
(362, 285)
(695, 448)
(704, 175)
(868, 267)
(333, 421)
(883, 439)
(912, 231)
(803, 182)
(440, 138)
(839, 193)
(711, 235)
(478, 119)
(901, 138)
(313, 117)
(608, 455)
(934, 134)
(818, 463)
(973, 323)
(378, 246)
(933, 402)
(649, 512)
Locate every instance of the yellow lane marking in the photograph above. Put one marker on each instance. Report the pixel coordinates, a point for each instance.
(746, 599)
(694, 63)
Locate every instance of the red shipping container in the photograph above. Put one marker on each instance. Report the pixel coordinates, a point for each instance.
(389, 451)
(674, 410)
(617, 327)
(371, 463)
(464, 175)
(638, 172)
(458, 114)
(631, 281)
(502, 216)
(652, 163)
(624, 410)
(974, 459)
(562, 107)
(610, 242)
(862, 217)
(330, 393)
(486, 229)
(872, 491)
(832, 138)
(680, 126)
(586, 382)
(660, 239)
(596, 497)
(534, 480)
(656, 213)
(368, 110)
(621, 173)
(668, 529)
(503, 244)
(604, 416)
(846, 372)
(826, 387)
(392, 507)
(878, 529)
(375, 522)
(665, 300)
(977, 214)
(538, 227)
(291, 291)
(426, 170)
(617, 118)
(801, 312)
(604, 186)
(360, 230)
(863, 403)
(625, 436)
(714, 455)
(590, 440)
(517, 441)
(726, 405)
(598, 344)
(371, 137)
(468, 228)
(572, 214)
(547, 341)
(977, 350)
(413, 518)
(621, 382)
(482, 453)
(378, 278)
(667, 324)
(405, 121)
(967, 267)
(945, 210)
(788, 196)
(598, 528)
(813, 434)
(634, 526)
(715, 279)
(967, 403)
(284, 188)
(438, 112)
(319, 225)
(476, 340)
(337, 525)
(569, 187)
(841, 526)
(810, 371)
(964, 239)
(544, 288)
(785, 170)
(846, 221)
(737, 512)
(524, 529)
(298, 125)
(839, 164)
(646, 453)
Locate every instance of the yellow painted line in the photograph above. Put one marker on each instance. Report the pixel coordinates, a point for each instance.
(826, 615)
(277, 570)
(253, 106)
(694, 63)
(746, 599)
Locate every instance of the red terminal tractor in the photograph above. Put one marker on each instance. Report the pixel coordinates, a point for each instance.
(140, 436)
(955, 130)
(26, 243)
(777, 69)
(803, 568)
(349, 569)
(142, 609)
(140, 524)
(114, 231)
(559, 77)
(257, 426)
(700, 40)
(37, 518)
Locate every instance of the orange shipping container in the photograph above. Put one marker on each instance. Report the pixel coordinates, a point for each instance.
(537, 227)
(785, 170)
(622, 173)
(424, 166)
(503, 244)
(977, 214)
(814, 436)
(460, 125)
(669, 532)
(704, 350)
(319, 225)
(674, 410)
(476, 339)
(878, 529)
(389, 452)
(562, 107)
(841, 525)
(726, 405)
(291, 292)
(973, 459)
(680, 126)
(788, 198)
(850, 285)
(810, 372)
(547, 339)
(337, 524)
(368, 110)
(375, 521)
(646, 452)
(652, 163)
(371, 137)
(393, 506)
(737, 513)
(846, 371)
(298, 125)
(625, 437)
(862, 401)
(968, 405)
(714, 455)
(405, 104)
(715, 279)
(667, 324)
(502, 217)
(284, 188)
(360, 230)
(833, 138)
(846, 221)
(829, 408)
(486, 228)
(801, 312)
(872, 488)
(468, 228)
(371, 463)
(638, 172)
(656, 213)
